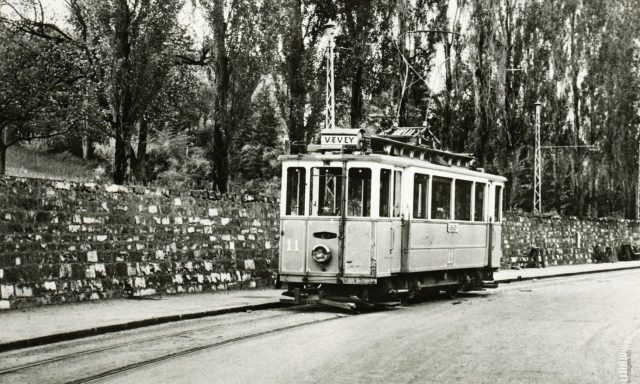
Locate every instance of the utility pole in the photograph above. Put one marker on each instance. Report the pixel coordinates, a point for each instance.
(330, 108)
(638, 184)
(537, 162)
(537, 165)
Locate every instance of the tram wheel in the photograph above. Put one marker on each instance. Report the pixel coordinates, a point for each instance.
(452, 292)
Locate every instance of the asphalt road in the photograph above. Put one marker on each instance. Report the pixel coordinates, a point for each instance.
(582, 329)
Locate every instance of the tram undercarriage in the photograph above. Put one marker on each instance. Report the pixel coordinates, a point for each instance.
(389, 291)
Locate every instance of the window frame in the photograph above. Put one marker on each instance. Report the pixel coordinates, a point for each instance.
(426, 196)
(471, 197)
(498, 191)
(301, 198)
(451, 194)
(483, 212)
(366, 210)
(315, 191)
(389, 194)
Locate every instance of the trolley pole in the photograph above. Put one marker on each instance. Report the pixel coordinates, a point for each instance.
(537, 165)
(330, 108)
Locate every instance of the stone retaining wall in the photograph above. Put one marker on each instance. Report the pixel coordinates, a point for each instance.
(67, 242)
(563, 240)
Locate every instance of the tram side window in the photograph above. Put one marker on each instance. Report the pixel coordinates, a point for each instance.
(295, 191)
(441, 198)
(397, 188)
(478, 214)
(329, 191)
(463, 200)
(385, 193)
(498, 200)
(359, 203)
(420, 188)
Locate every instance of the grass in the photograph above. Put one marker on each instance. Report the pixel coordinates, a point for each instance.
(23, 162)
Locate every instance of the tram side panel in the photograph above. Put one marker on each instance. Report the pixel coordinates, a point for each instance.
(440, 246)
(322, 233)
(388, 246)
(496, 246)
(359, 255)
(293, 246)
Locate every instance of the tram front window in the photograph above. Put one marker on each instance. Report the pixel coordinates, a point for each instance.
(329, 190)
(359, 203)
(295, 191)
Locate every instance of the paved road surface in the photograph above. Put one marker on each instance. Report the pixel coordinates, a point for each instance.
(583, 329)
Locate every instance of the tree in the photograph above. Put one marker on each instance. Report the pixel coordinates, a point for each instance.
(127, 44)
(259, 141)
(242, 55)
(36, 88)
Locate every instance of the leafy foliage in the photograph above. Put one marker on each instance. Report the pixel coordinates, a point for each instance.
(470, 70)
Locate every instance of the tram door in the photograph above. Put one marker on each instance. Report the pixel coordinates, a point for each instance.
(325, 227)
(390, 224)
(495, 229)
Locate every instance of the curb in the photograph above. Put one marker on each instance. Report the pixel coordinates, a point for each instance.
(561, 274)
(67, 336)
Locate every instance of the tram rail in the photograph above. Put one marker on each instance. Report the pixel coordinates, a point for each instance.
(284, 321)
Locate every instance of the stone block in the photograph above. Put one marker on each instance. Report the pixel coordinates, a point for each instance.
(5, 304)
(132, 269)
(6, 291)
(90, 272)
(50, 286)
(139, 282)
(249, 264)
(145, 292)
(23, 290)
(100, 270)
(92, 256)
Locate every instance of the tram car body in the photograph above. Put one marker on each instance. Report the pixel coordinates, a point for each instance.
(381, 218)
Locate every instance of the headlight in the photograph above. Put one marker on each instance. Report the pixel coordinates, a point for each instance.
(321, 254)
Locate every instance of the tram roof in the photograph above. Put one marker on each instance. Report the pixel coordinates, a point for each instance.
(391, 160)
(400, 146)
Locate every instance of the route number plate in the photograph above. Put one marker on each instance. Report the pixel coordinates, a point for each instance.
(452, 227)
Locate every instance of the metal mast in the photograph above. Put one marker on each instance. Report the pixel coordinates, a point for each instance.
(330, 108)
(638, 184)
(537, 166)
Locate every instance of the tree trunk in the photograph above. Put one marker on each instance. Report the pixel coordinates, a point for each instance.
(356, 98)
(139, 157)
(447, 118)
(3, 159)
(120, 158)
(222, 75)
(577, 164)
(85, 146)
(220, 159)
(121, 91)
(297, 90)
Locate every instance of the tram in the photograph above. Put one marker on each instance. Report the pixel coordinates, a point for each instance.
(380, 218)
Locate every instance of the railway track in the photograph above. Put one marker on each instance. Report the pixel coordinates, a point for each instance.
(130, 354)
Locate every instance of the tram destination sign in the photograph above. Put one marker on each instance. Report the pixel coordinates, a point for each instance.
(341, 138)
